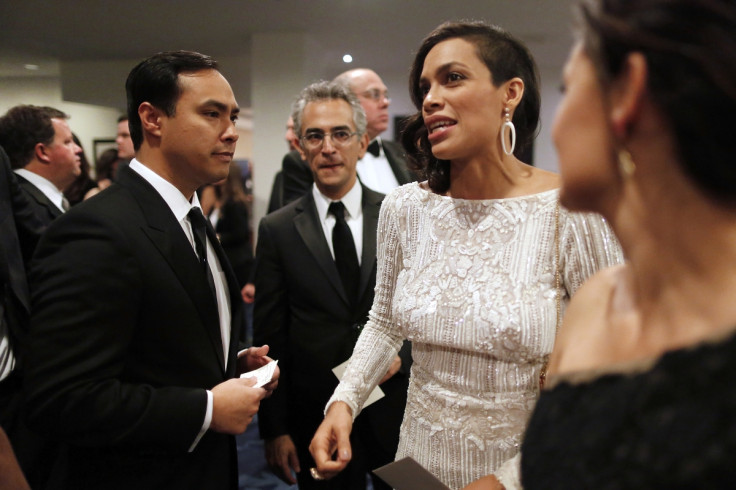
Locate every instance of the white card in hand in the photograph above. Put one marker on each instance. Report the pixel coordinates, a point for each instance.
(263, 374)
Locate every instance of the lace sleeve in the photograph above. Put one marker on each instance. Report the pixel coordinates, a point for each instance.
(380, 340)
(587, 245)
(509, 473)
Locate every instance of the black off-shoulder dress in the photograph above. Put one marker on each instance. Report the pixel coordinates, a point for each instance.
(671, 424)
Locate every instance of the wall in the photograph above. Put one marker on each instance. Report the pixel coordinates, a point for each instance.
(88, 122)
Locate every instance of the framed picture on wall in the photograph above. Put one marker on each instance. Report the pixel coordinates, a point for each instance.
(101, 145)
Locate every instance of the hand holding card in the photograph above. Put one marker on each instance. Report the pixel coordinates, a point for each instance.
(263, 374)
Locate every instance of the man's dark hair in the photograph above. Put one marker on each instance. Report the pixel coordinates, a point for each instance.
(123, 117)
(156, 80)
(23, 127)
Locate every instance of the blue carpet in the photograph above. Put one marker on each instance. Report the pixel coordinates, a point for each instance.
(253, 470)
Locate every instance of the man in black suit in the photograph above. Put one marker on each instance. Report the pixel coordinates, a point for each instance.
(312, 297)
(43, 153)
(383, 167)
(20, 230)
(135, 310)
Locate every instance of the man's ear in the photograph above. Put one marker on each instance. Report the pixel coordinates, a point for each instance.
(150, 119)
(363, 142)
(627, 94)
(301, 151)
(41, 154)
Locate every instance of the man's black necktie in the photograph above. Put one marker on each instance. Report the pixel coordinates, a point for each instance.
(199, 227)
(346, 258)
(374, 148)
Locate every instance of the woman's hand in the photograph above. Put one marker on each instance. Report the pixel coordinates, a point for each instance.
(489, 482)
(332, 440)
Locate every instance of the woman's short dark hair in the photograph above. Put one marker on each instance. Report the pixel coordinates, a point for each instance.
(690, 49)
(156, 80)
(506, 57)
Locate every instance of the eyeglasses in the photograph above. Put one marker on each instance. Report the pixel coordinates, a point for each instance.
(339, 138)
(376, 95)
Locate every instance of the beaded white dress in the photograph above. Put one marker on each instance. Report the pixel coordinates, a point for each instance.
(472, 284)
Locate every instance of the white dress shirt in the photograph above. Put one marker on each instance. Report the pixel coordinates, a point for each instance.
(353, 216)
(376, 173)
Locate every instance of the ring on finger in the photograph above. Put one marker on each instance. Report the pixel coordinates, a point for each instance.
(316, 474)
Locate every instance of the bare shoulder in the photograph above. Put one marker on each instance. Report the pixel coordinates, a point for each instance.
(542, 180)
(586, 322)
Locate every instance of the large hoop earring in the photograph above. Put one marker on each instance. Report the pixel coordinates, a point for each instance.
(512, 132)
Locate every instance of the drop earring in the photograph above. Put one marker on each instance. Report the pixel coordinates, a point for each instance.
(512, 132)
(626, 165)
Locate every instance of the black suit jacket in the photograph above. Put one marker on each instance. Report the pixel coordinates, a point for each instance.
(20, 230)
(276, 199)
(42, 206)
(303, 314)
(298, 179)
(124, 340)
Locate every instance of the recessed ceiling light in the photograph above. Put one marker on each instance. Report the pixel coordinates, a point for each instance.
(347, 58)
(31, 67)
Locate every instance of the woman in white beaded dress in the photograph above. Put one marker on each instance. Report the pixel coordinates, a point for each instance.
(467, 265)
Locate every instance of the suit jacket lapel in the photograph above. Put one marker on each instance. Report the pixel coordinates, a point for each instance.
(40, 197)
(309, 227)
(371, 208)
(169, 238)
(397, 163)
(234, 293)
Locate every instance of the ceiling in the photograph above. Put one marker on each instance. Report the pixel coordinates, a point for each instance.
(381, 34)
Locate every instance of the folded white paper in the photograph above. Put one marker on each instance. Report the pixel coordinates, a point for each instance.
(263, 374)
(375, 395)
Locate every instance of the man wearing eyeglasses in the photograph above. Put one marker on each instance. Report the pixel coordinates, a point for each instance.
(383, 167)
(314, 287)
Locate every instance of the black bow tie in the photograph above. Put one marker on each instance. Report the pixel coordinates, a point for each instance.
(374, 148)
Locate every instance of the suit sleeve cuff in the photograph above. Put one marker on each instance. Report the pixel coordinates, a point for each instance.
(207, 421)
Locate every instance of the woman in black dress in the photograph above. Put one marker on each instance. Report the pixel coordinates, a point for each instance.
(641, 387)
(642, 384)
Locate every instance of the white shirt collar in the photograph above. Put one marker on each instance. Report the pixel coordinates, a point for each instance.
(352, 201)
(178, 203)
(44, 185)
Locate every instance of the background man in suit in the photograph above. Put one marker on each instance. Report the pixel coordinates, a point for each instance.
(123, 140)
(276, 199)
(43, 153)
(383, 167)
(135, 309)
(313, 294)
(124, 144)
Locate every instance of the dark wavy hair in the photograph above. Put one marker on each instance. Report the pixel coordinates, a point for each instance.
(506, 57)
(690, 49)
(156, 80)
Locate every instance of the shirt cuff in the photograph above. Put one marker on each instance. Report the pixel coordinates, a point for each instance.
(207, 421)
